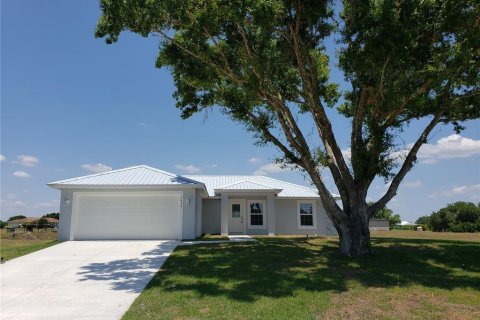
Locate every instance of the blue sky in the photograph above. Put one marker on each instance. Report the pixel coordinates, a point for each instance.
(72, 105)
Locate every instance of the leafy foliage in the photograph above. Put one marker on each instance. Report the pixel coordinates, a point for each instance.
(423, 221)
(2, 224)
(55, 215)
(265, 64)
(43, 223)
(456, 217)
(386, 213)
(17, 217)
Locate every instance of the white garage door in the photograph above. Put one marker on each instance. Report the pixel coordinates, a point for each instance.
(127, 216)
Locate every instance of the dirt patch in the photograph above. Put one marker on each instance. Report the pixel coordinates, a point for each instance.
(376, 303)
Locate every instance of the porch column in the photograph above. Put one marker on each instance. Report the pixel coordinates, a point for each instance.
(271, 223)
(224, 214)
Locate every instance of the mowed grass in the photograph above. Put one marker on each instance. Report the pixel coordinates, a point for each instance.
(24, 243)
(305, 278)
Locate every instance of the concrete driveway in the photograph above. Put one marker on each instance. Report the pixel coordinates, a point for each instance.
(79, 279)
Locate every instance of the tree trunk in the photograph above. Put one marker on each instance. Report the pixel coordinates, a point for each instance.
(354, 235)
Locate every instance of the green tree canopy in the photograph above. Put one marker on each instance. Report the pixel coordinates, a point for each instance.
(386, 213)
(457, 217)
(43, 223)
(265, 64)
(54, 215)
(423, 221)
(17, 217)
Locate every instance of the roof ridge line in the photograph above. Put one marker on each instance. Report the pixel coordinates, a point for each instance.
(294, 184)
(170, 174)
(243, 181)
(174, 175)
(96, 174)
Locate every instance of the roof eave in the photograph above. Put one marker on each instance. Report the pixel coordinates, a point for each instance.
(249, 190)
(124, 186)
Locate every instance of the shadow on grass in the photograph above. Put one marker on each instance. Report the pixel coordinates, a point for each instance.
(282, 267)
(279, 267)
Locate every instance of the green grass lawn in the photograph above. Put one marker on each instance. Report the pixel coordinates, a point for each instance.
(300, 278)
(24, 243)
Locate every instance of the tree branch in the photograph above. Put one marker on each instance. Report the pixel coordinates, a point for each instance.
(407, 165)
(343, 178)
(201, 59)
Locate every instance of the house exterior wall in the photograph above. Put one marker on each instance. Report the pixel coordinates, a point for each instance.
(188, 227)
(204, 215)
(198, 213)
(64, 225)
(188, 205)
(253, 197)
(379, 225)
(211, 216)
(287, 219)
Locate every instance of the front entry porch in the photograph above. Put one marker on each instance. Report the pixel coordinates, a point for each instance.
(252, 213)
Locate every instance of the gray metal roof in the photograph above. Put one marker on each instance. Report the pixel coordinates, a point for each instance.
(289, 190)
(151, 177)
(132, 176)
(247, 185)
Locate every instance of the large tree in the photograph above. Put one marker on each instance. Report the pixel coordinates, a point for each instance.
(264, 63)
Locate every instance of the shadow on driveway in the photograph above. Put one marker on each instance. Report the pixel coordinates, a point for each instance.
(129, 274)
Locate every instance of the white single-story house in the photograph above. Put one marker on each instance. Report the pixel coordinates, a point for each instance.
(142, 202)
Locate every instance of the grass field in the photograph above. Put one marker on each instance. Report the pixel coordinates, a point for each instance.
(411, 276)
(24, 243)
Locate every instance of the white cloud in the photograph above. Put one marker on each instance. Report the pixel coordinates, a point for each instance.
(254, 160)
(347, 154)
(453, 146)
(428, 161)
(145, 125)
(12, 206)
(413, 184)
(2, 158)
(472, 191)
(96, 168)
(269, 168)
(27, 161)
(50, 204)
(21, 174)
(188, 168)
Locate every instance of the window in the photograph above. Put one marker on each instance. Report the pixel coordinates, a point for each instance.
(306, 214)
(236, 210)
(256, 214)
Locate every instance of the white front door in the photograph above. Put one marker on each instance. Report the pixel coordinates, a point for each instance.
(236, 217)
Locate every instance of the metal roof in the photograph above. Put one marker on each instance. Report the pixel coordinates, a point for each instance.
(288, 190)
(132, 176)
(146, 176)
(247, 185)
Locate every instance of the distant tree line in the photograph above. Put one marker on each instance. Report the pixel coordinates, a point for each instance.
(41, 223)
(455, 217)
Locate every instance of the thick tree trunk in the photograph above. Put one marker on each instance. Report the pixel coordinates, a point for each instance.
(354, 235)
